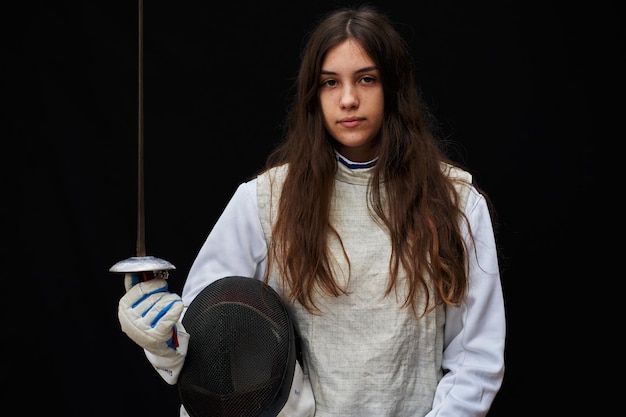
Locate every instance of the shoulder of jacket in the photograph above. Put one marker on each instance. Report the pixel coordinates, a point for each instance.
(279, 171)
(462, 181)
(270, 181)
(456, 172)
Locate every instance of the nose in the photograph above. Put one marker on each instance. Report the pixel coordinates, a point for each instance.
(349, 99)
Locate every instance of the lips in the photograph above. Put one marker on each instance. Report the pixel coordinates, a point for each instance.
(351, 121)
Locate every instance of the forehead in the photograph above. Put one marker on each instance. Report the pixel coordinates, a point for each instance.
(345, 56)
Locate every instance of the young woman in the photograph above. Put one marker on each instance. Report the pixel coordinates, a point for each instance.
(381, 246)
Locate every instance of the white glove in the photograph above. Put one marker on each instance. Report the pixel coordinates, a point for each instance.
(149, 314)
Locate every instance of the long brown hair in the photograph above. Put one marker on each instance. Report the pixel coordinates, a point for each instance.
(419, 206)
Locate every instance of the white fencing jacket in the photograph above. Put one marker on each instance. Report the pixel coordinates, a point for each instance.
(365, 355)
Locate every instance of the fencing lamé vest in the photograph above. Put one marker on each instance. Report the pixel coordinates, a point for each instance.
(365, 355)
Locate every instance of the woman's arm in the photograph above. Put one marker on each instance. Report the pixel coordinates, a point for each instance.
(473, 357)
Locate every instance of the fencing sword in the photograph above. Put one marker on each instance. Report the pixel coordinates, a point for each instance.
(147, 266)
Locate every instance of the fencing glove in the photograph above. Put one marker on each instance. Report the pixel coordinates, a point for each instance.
(150, 315)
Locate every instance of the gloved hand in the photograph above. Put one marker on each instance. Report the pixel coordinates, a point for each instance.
(149, 314)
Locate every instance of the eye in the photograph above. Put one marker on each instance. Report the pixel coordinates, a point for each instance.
(368, 79)
(329, 83)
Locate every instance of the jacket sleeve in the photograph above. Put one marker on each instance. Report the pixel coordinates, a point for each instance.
(234, 247)
(474, 338)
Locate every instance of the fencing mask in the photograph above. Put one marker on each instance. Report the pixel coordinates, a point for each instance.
(243, 355)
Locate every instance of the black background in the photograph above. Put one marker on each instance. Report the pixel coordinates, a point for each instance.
(521, 88)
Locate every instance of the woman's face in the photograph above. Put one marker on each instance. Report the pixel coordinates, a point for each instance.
(351, 98)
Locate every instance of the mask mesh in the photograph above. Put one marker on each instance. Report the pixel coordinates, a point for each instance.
(241, 349)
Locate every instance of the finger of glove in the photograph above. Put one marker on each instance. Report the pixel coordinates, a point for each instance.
(131, 279)
(142, 289)
(150, 323)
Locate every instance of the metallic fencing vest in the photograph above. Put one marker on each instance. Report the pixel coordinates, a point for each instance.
(365, 355)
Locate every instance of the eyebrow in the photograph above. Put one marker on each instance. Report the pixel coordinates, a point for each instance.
(359, 71)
